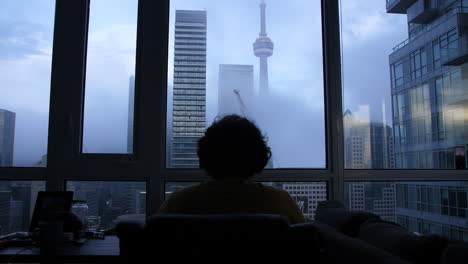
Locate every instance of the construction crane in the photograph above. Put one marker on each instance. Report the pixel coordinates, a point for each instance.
(243, 108)
(245, 113)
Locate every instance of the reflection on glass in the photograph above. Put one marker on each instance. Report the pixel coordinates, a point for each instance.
(26, 37)
(266, 66)
(110, 82)
(111, 200)
(421, 207)
(407, 102)
(17, 201)
(306, 194)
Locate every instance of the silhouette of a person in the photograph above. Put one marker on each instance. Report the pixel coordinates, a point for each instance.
(232, 151)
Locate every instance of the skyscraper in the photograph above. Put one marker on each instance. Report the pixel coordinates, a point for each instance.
(235, 89)
(429, 74)
(7, 137)
(367, 144)
(189, 101)
(131, 109)
(263, 48)
(429, 87)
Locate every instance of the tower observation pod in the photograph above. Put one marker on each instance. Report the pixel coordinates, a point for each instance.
(263, 48)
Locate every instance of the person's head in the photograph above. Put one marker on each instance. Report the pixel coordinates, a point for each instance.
(233, 147)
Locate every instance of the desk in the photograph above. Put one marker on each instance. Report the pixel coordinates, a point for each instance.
(93, 251)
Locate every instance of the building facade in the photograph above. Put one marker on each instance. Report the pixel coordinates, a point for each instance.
(307, 196)
(368, 145)
(7, 137)
(429, 88)
(429, 71)
(235, 89)
(189, 96)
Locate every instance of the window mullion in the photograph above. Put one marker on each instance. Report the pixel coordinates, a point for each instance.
(66, 100)
(333, 96)
(150, 95)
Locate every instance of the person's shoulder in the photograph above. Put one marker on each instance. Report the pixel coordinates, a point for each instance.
(185, 190)
(274, 191)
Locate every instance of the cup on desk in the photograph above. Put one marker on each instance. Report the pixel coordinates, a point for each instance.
(93, 223)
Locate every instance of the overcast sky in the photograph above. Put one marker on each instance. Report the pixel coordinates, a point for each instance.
(292, 118)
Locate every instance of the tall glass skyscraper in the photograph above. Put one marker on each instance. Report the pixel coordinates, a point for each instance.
(429, 73)
(429, 89)
(189, 100)
(7, 137)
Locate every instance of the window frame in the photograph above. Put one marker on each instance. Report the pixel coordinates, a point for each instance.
(66, 162)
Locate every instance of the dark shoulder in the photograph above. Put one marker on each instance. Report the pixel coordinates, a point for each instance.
(185, 191)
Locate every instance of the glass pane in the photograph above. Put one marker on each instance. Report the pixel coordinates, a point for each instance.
(220, 64)
(110, 70)
(306, 194)
(111, 200)
(399, 202)
(419, 123)
(26, 37)
(17, 201)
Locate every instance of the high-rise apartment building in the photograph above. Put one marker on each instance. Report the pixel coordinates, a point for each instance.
(429, 90)
(235, 89)
(379, 198)
(434, 208)
(307, 196)
(429, 73)
(7, 137)
(189, 99)
(367, 144)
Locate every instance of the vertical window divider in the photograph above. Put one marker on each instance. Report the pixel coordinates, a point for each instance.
(150, 96)
(333, 97)
(67, 89)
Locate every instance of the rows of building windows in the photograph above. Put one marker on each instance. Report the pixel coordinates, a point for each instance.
(189, 69)
(178, 80)
(189, 40)
(189, 124)
(444, 48)
(418, 63)
(429, 159)
(189, 92)
(181, 30)
(187, 58)
(188, 130)
(189, 118)
(188, 46)
(426, 227)
(201, 75)
(179, 52)
(193, 113)
(190, 36)
(189, 97)
(185, 102)
(190, 108)
(180, 62)
(191, 24)
(437, 199)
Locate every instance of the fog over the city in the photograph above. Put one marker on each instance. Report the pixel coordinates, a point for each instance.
(292, 116)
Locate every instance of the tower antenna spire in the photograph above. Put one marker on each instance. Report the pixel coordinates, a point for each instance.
(263, 48)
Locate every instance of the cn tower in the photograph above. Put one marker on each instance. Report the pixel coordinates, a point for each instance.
(263, 48)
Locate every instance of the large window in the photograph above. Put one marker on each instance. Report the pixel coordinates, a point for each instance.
(220, 65)
(26, 35)
(418, 62)
(110, 81)
(115, 101)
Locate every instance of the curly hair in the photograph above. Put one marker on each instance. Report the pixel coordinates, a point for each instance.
(233, 147)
